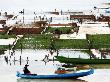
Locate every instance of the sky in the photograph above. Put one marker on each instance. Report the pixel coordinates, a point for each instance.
(49, 4)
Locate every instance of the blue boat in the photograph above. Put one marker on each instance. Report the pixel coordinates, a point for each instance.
(56, 76)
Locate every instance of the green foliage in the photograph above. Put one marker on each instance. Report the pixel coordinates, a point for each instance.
(63, 30)
(43, 41)
(4, 47)
(5, 36)
(2, 51)
(34, 41)
(71, 44)
(100, 40)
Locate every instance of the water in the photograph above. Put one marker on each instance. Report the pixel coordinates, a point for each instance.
(35, 54)
(8, 71)
(50, 4)
(41, 6)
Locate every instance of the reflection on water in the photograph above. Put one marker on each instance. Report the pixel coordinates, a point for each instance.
(30, 54)
(50, 80)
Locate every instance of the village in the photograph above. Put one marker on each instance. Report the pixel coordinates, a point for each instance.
(23, 29)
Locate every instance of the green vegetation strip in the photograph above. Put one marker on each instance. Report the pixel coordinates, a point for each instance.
(34, 41)
(100, 41)
(5, 36)
(71, 44)
(46, 41)
(63, 30)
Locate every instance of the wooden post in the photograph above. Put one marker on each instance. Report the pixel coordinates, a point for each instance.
(35, 46)
(10, 56)
(9, 48)
(20, 60)
(34, 19)
(34, 16)
(6, 59)
(90, 56)
(53, 59)
(27, 60)
(13, 52)
(10, 63)
(23, 19)
(21, 48)
(23, 16)
(61, 12)
(14, 60)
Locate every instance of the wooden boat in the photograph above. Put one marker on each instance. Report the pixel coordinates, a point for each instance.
(76, 61)
(56, 76)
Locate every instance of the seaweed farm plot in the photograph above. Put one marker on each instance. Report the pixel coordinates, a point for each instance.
(34, 42)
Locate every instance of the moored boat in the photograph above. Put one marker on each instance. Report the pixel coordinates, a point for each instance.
(76, 61)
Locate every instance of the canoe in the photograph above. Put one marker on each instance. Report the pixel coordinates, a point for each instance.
(76, 61)
(56, 76)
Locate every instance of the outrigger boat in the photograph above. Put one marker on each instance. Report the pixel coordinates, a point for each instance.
(73, 75)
